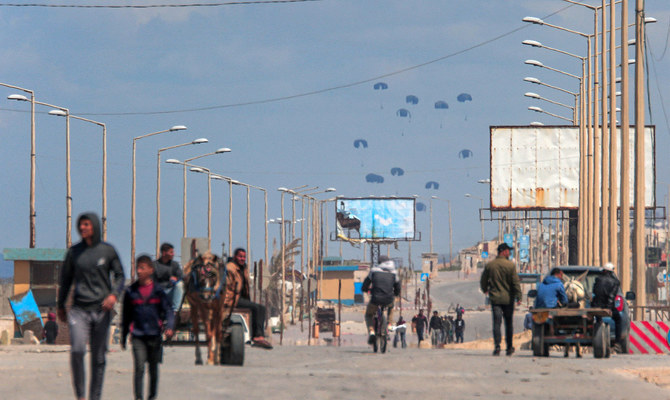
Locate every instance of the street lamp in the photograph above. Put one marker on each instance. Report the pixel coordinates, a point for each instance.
(184, 164)
(540, 110)
(480, 218)
(209, 201)
(536, 96)
(132, 206)
(158, 187)
(104, 164)
(68, 186)
(31, 217)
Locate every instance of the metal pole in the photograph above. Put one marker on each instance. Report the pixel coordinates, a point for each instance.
(230, 217)
(209, 209)
(430, 203)
(158, 204)
(638, 232)
(283, 273)
(183, 213)
(597, 148)
(32, 170)
(104, 182)
(132, 219)
(624, 240)
(614, 139)
(604, 221)
(68, 182)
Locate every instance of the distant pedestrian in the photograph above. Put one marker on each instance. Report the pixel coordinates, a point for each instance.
(51, 329)
(435, 329)
(147, 313)
(419, 321)
(443, 329)
(500, 282)
(94, 268)
(459, 328)
(451, 328)
(400, 333)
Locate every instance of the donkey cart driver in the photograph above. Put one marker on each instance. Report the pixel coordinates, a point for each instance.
(237, 295)
(384, 285)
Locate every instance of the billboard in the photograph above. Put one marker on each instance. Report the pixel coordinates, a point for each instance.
(375, 218)
(537, 167)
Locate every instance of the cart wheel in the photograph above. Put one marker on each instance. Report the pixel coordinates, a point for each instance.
(601, 339)
(608, 342)
(624, 343)
(232, 351)
(540, 349)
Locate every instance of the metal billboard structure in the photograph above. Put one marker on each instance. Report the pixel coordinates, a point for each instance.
(537, 167)
(375, 219)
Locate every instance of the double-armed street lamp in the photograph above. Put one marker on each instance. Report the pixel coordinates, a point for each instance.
(158, 187)
(68, 185)
(31, 217)
(185, 163)
(62, 113)
(132, 206)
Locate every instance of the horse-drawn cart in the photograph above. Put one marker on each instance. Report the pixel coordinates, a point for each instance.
(571, 326)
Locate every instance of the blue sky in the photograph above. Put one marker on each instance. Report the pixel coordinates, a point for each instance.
(106, 63)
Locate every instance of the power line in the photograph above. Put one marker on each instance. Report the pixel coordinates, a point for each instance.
(186, 5)
(329, 89)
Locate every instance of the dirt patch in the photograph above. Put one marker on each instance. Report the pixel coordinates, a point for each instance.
(658, 376)
(521, 341)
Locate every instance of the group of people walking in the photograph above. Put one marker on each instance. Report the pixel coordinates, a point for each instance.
(92, 271)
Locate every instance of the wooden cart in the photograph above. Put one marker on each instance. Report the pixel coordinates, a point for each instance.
(571, 326)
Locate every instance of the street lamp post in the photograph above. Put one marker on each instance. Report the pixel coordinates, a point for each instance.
(158, 187)
(184, 164)
(31, 217)
(209, 201)
(68, 185)
(540, 110)
(132, 207)
(480, 218)
(104, 164)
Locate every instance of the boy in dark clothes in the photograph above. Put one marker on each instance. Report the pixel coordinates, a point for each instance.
(51, 329)
(146, 311)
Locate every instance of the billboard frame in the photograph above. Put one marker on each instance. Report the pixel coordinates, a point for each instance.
(350, 238)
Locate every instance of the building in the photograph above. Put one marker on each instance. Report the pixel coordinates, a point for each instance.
(37, 270)
(336, 270)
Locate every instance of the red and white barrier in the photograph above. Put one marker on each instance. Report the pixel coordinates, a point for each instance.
(649, 337)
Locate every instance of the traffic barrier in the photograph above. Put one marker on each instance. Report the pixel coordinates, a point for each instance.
(649, 337)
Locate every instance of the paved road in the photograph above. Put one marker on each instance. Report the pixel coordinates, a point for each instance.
(344, 373)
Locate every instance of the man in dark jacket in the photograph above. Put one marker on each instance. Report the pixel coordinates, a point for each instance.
(551, 292)
(169, 276)
(435, 329)
(459, 328)
(500, 282)
(605, 290)
(420, 323)
(94, 268)
(384, 286)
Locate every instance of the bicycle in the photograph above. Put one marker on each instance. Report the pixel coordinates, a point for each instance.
(381, 329)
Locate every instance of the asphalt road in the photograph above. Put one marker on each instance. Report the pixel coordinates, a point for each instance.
(326, 372)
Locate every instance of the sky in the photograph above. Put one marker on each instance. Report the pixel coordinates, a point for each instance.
(288, 87)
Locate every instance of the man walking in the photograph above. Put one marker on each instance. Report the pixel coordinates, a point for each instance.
(435, 329)
(500, 282)
(95, 270)
(420, 323)
(605, 290)
(169, 276)
(459, 328)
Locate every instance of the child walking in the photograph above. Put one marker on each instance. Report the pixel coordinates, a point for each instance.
(147, 312)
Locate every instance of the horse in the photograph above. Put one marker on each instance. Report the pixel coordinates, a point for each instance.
(205, 292)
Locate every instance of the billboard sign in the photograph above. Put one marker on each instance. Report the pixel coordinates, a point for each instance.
(375, 218)
(537, 167)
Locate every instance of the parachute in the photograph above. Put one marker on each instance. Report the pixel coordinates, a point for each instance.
(403, 112)
(465, 153)
(441, 105)
(420, 206)
(432, 184)
(380, 86)
(374, 178)
(396, 171)
(411, 99)
(362, 143)
(463, 97)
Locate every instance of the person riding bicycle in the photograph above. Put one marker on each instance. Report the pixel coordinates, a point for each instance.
(383, 284)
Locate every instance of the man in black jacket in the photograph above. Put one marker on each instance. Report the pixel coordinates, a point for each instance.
(94, 269)
(605, 290)
(384, 285)
(435, 329)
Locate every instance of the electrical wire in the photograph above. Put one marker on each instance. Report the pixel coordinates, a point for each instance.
(136, 6)
(329, 89)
